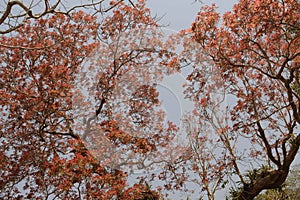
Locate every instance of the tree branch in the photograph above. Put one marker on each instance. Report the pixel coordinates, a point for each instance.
(9, 6)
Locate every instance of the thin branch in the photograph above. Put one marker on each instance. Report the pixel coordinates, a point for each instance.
(64, 134)
(29, 48)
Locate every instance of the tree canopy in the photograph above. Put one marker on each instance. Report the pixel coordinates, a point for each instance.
(80, 108)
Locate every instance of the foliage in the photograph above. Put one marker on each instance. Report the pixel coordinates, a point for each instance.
(46, 153)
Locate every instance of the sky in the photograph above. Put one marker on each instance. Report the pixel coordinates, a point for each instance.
(177, 15)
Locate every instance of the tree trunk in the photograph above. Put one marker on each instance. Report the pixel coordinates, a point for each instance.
(271, 180)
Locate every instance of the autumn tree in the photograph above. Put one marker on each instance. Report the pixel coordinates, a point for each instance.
(255, 50)
(52, 147)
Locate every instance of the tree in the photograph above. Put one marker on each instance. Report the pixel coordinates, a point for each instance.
(80, 108)
(46, 152)
(256, 53)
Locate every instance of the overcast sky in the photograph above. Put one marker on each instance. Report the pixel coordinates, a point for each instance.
(179, 14)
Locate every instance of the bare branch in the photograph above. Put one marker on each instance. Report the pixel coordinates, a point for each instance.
(47, 10)
(10, 4)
